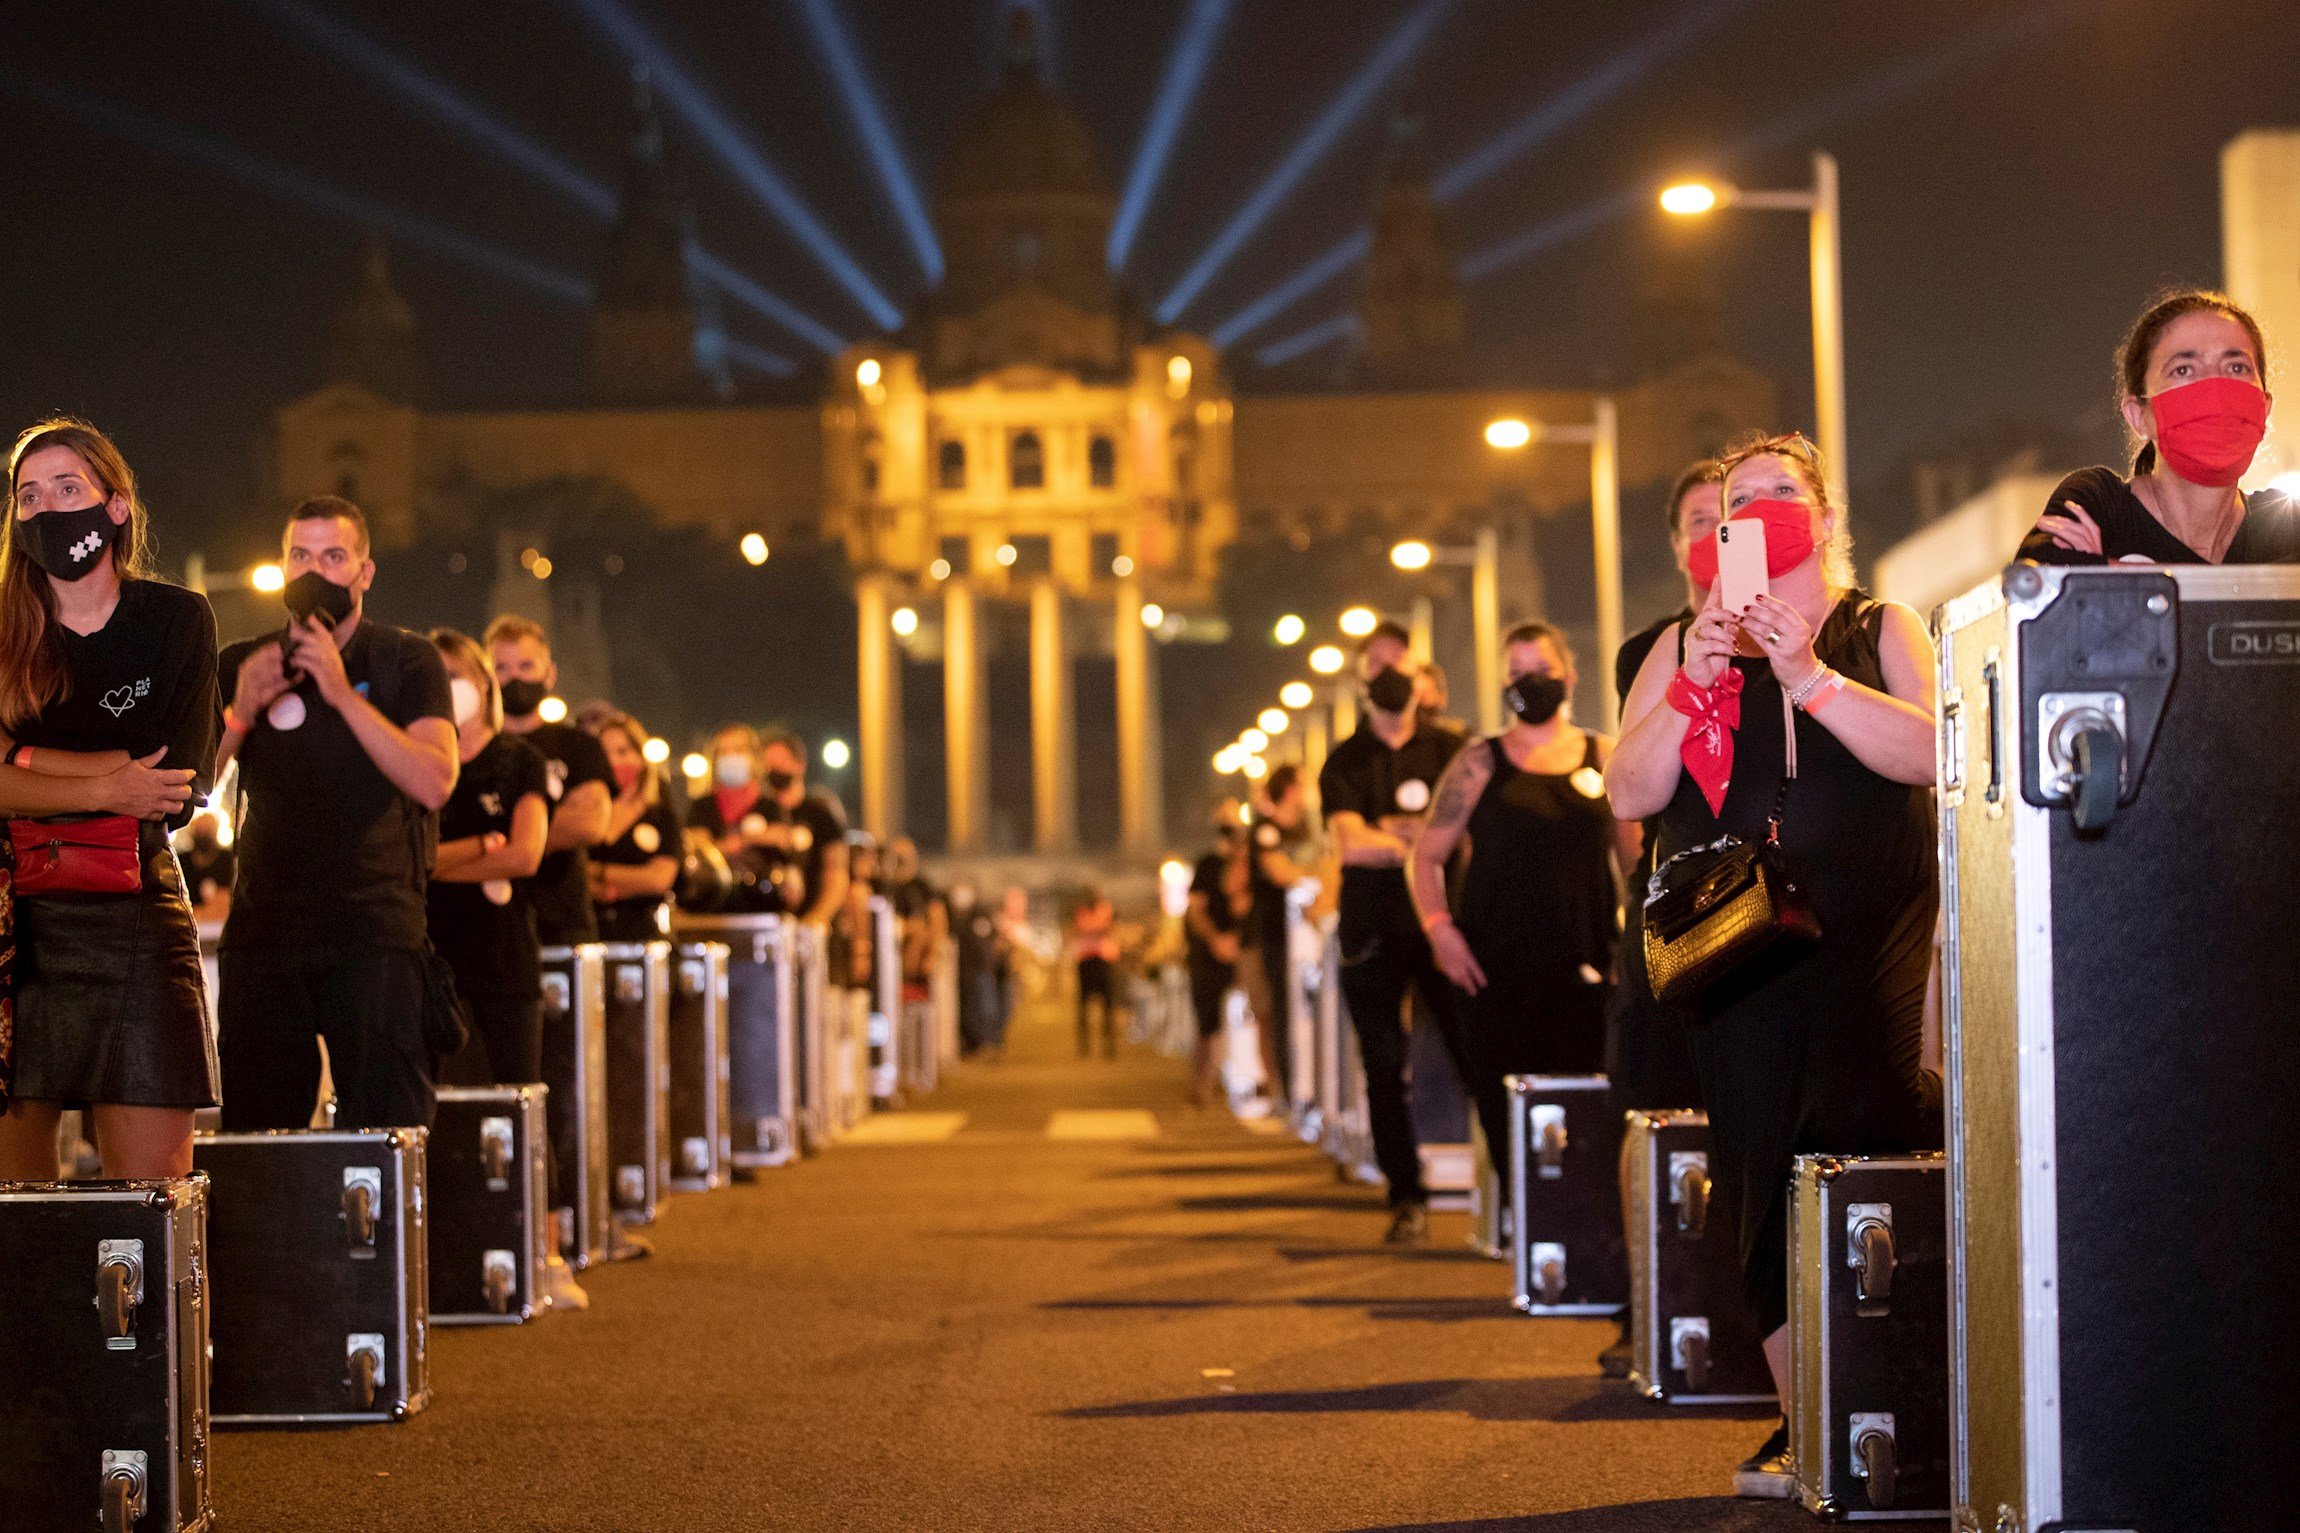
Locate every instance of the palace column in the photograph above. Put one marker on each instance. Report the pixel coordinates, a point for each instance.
(1141, 744)
(966, 717)
(878, 736)
(1053, 724)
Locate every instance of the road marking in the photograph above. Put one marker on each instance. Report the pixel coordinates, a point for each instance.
(906, 1128)
(1103, 1123)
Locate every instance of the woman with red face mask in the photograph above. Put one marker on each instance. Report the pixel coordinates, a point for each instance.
(635, 869)
(2192, 384)
(1818, 1054)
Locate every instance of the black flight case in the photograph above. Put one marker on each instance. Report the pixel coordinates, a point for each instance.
(490, 1205)
(1692, 1338)
(701, 1141)
(575, 1068)
(638, 983)
(2120, 803)
(1868, 1329)
(104, 1354)
(1564, 1228)
(322, 1304)
(762, 1015)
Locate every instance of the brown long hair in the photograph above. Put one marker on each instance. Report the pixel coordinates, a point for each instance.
(2132, 358)
(32, 673)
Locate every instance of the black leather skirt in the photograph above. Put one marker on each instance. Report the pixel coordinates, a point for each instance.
(111, 1005)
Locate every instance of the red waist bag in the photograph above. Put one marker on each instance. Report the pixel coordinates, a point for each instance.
(96, 856)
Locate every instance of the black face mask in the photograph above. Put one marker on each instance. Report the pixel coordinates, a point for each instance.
(312, 594)
(67, 544)
(1535, 698)
(1390, 690)
(521, 697)
(780, 782)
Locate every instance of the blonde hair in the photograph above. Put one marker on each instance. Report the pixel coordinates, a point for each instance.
(32, 670)
(511, 628)
(1804, 460)
(460, 648)
(605, 716)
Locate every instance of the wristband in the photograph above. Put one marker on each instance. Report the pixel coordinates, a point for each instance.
(233, 722)
(20, 756)
(1430, 924)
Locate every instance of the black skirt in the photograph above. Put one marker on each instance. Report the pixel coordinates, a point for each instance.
(111, 1005)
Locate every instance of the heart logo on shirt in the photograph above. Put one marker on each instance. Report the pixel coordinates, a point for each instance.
(117, 701)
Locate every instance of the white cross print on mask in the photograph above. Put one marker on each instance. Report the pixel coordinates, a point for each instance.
(87, 546)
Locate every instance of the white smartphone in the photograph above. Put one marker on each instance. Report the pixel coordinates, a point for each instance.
(1741, 575)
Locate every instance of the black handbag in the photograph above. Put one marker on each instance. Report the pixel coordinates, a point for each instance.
(1728, 915)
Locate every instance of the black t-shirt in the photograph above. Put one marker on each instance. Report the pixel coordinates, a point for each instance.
(1630, 658)
(1207, 878)
(1365, 777)
(2269, 533)
(1269, 899)
(486, 931)
(332, 852)
(571, 758)
(144, 681)
(654, 834)
(825, 819)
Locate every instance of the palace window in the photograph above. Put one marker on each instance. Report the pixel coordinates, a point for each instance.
(1102, 462)
(958, 554)
(1102, 554)
(1033, 553)
(950, 465)
(1026, 462)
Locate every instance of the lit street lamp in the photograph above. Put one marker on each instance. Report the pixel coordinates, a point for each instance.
(1357, 622)
(1819, 203)
(1483, 556)
(1602, 436)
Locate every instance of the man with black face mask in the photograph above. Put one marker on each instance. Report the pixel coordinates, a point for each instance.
(1532, 952)
(344, 730)
(578, 781)
(1376, 790)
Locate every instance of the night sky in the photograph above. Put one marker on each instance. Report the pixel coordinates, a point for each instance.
(2017, 178)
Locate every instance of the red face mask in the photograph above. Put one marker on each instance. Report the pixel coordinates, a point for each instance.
(626, 775)
(1788, 540)
(2208, 430)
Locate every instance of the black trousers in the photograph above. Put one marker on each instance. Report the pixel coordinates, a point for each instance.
(1379, 968)
(1098, 979)
(274, 1003)
(506, 1047)
(1210, 980)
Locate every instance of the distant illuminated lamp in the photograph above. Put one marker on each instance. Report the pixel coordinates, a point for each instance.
(1327, 660)
(940, 569)
(1508, 434)
(1177, 375)
(1360, 621)
(904, 621)
(1412, 554)
(268, 578)
(1256, 768)
(1297, 695)
(1153, 615)
(1688, 197)
(694, 766)
(1273, 721)
(754, 548)
(1007, 554)
(1255, 741)
(541, 568)
(657, 750)
(1122, 566)
(552, 710)
(836, 755)
(868, 372)
(1289, 629)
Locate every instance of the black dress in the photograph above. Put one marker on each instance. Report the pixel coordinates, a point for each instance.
(488, 931)
(2269, 533)
(110, 1001)
(1540, 910)
(1823, 1058)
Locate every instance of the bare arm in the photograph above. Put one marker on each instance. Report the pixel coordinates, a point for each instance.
(1641, 776)
(1458, 790)
(421, 760)
(1891, 731)
(470, 860)
(833, 893)
(580, 819)
(56, 763)
(635, 880)
(139, 788)
(1365, 846)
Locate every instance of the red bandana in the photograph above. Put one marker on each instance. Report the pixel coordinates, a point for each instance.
(1708, 748)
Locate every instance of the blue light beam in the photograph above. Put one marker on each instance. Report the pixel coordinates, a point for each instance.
(757, 358)
(736, 152)
(185, 145)
(1321, 136)
(829, 31)
(507, 143)
(1342, 327)
(1193, 49)
(1528, 133)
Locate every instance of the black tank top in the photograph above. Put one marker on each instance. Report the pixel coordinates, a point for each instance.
(1539, 892)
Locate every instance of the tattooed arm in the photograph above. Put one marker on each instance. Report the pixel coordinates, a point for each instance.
(1458, 791)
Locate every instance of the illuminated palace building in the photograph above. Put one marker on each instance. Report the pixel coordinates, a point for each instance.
(1027, 442)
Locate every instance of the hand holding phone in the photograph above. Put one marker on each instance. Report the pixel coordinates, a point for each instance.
(1741, 576)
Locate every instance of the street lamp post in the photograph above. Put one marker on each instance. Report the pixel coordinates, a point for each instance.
(1819, 204)
(1483, 556)
(1602, 436)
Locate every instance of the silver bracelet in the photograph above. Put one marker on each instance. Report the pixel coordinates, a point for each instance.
(1812, 686)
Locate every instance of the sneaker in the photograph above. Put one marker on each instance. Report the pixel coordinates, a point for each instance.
(1769, 1474)
(1409, 1225)
(560, 1287)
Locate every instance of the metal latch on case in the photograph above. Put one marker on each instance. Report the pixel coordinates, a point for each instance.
(1689, 1189)
(630, 984)
(1549, 1139)
(127, 1472)
(1689, 1349)
(557, 995)
(1549, 1271)
(691, 977)
(119, 1290)
(363, 1358)
(2081, 752)
(495, 1152)
(1869, 1252)
(362, 1207)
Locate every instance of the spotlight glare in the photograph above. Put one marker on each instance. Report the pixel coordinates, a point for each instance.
(268, 578)
(1273, 721)
(656, 751)
(863, 107)
(754, 549)
(836, 755)
(1289, 629)
(1327, 660)
(1153, 615)
(1192, 49)
(904, 621)
(552, 710)
(1341, 327)
(1254, 740)
(695, 766)
(1297, 695)
(1360, 621)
